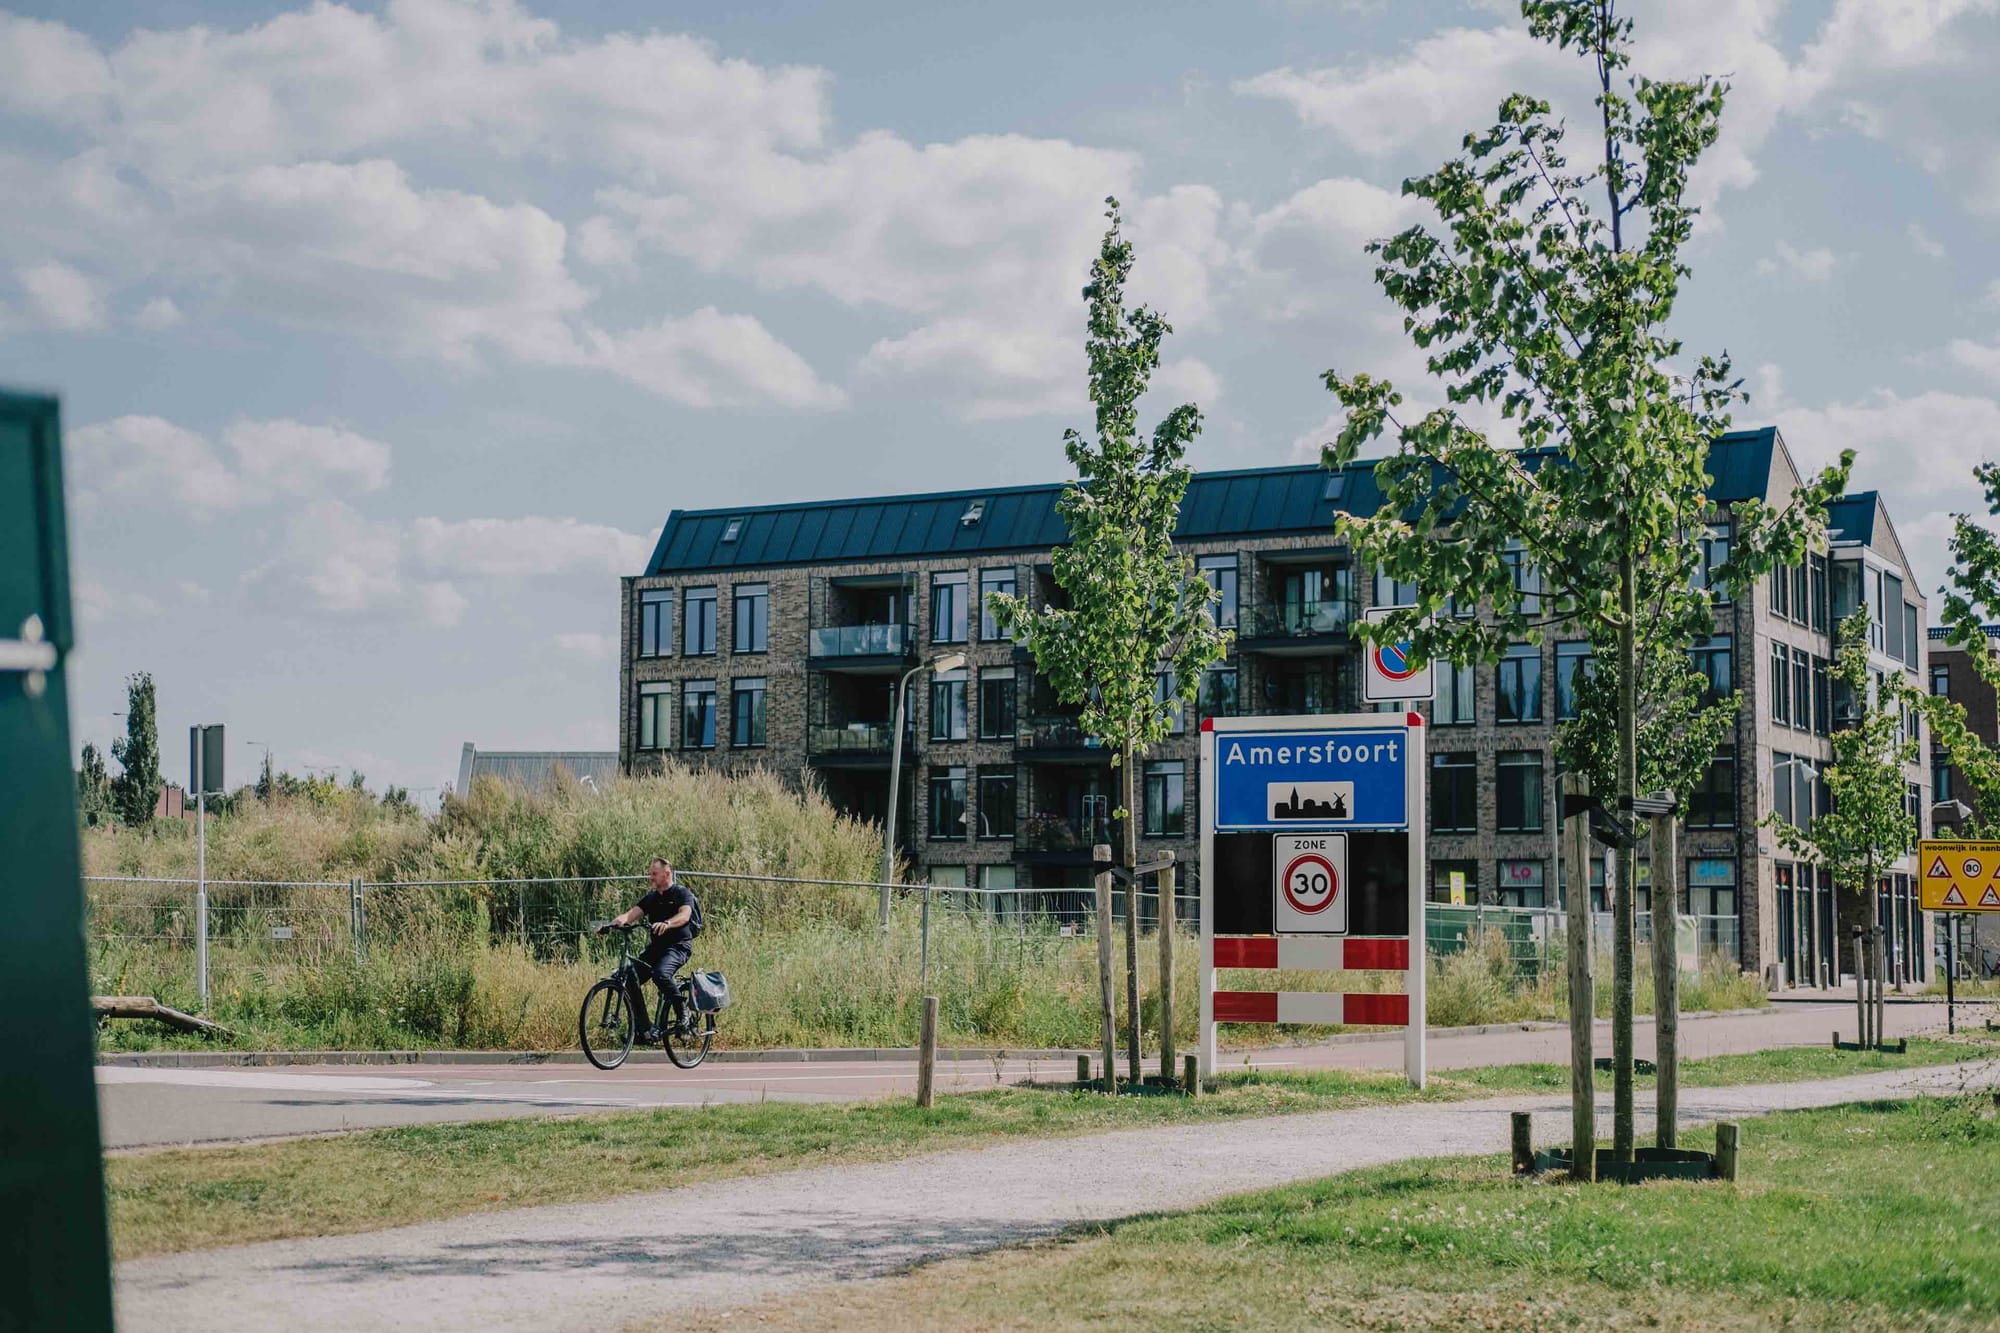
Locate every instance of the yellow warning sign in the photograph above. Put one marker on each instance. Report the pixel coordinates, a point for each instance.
(1959, 876)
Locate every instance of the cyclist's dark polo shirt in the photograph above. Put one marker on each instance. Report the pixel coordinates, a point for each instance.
(660, 904)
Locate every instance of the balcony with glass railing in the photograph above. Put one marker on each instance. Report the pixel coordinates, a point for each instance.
(1055, 834)
(1297, 620)
(1053, 733)
(838, 642)
(856, 740)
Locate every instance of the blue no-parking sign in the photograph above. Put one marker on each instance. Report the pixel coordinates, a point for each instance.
(1387, 675)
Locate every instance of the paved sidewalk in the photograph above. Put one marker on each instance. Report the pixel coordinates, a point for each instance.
(588, 1266)
(151, 1106)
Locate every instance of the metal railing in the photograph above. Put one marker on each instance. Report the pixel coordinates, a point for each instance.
(1298, 620)
(1535, 936)
(861, 641)
(1053, 732)
(1055, 833)
(858, 738)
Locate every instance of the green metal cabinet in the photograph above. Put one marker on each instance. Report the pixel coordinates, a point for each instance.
(54, 1252)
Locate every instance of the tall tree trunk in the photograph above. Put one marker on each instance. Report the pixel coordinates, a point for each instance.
(1666, 980)
(1623, 1131)
(1132, 923)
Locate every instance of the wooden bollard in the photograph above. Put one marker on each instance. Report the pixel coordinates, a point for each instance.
(1191, 1076)
(1725, 1149)
(1083, 1071)
(1524, 1145)
(927, 1053)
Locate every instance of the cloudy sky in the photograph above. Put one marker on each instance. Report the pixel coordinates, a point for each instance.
(388, 333)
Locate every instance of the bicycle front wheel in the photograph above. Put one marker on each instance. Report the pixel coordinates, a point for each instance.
(605, 1025)
(688, 1049)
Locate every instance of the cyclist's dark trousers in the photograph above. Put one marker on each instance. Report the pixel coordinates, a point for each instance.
(663, 958)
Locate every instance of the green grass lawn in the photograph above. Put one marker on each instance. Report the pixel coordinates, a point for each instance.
(1879, 1215)
(184, 1199)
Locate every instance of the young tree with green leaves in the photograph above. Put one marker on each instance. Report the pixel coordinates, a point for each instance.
(1972, 602)
(1539, 303)
(93, 786)
(1683, 721)
(1137, 606)
(136, 792)
(1869, 824)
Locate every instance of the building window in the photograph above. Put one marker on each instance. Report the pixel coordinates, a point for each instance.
(1455, 793)
(1818, 565)
(1892, 616)
(1802, 688)
(1519, 784)
(1164, 687)
(1711, 887)
(1781, 685)
(746, 712)
(992, 583)
(1801, 594)
(1519, 676)
(948, 607)
(1846, 577)
(1712, 804)
(698, 622)
(698, 715)
(1714, 554)
(1464, 875)
(655, 699)
(948, 705)
(656, 614)
(1526, 577)
(1392, 591)
(1572, 660)
(996, 803)
(1166, 791)
(1218, 692)
(1781, 592)
(1912, 631)
(947, 805)
(1822, 693)
(1941, 681)
(1456, 704)
(996, 703)
(1520, 884)
(752, 617)
(1712, 657)
(1220, 572)
(1940, 779)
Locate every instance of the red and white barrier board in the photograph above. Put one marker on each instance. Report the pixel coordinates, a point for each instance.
(1285, 803)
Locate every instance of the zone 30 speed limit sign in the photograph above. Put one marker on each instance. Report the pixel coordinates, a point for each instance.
(1309, 883)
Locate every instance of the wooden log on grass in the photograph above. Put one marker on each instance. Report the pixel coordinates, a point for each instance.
(145, 1006)
(1191, 1076)
(1726, 1139)
(1524, 1144)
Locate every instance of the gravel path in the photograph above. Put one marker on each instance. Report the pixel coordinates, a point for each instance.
(584, 1266)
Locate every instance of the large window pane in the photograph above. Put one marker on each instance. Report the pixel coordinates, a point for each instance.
(991, 582)
(698, 715)
(656, 613)
(655, 697)
(1712, 804)
(751, 617)
(996, 703)
(1520, 884)
(947, 805)
(1573, 662)
(1712, 658)
(948, 721)
(1519, 784)
(1457, 693)
(698, 621)
(996, 803)
(948, 609)
(1218, 692)
(1166, 789)
(746, 711)
(1455, 793)
(1220, 572)
(1520, 684)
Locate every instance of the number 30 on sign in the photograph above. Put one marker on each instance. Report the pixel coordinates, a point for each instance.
(1309, 883)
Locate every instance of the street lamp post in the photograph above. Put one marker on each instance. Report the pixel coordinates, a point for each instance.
(943, 662)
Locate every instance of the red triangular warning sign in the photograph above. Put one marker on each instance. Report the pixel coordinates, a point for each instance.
(1990, 898)
(1953, 898)
(1937, 870)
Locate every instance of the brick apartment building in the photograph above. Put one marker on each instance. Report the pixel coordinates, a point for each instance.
(774, 635)
(1951, 674)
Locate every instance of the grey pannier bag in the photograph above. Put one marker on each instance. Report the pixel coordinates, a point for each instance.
(711, 991)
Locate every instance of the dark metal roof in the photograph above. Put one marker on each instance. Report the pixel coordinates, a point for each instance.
(1250, 501)
(535, 770)
(1851, 518)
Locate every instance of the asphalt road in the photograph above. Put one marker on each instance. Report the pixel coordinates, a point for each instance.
(156, 1107)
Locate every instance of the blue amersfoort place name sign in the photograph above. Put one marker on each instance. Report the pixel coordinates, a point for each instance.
(1355, 779)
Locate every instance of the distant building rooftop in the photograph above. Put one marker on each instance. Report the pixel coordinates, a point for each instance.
(1301, 499)
(534, 770)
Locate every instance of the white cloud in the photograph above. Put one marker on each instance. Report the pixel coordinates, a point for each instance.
(587, 646)
(145, 459)
(521, 547)
(158, 313)
(603, 242)
(1188, 380)
(1981, 359)
(1925, 244)
(333, 559)
(98, 604)
(50, 70)
(65, 297)
(1815, 264)
(1918, 450)
(709, 359)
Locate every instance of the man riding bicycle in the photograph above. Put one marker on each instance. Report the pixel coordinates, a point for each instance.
(669, 908)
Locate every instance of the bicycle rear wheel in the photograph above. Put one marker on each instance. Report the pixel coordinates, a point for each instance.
(689, 1049)
(605, 1025)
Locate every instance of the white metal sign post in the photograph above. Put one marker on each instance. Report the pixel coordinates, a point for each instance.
(1312, 857)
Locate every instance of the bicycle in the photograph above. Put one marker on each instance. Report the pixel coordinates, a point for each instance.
(606, 1025)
